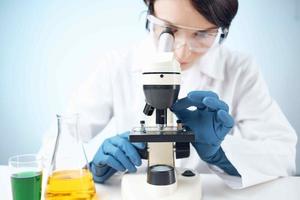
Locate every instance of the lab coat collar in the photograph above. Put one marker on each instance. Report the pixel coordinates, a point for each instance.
(211, 64)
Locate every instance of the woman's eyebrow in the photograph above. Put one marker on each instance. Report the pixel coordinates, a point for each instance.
(207, 29)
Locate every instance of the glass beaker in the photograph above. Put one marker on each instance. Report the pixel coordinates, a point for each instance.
(69, 175)
(26, 176)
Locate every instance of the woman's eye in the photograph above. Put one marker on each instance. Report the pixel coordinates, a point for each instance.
(201, 34)
(174, 30)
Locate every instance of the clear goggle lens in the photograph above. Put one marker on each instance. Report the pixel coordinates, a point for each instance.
(197, 40)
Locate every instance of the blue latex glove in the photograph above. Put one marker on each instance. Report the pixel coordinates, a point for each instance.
(210, 122)
(115, 154)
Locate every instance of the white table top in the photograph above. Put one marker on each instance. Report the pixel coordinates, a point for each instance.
(212, 189)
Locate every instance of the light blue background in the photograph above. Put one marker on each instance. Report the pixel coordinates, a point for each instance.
(47, 48)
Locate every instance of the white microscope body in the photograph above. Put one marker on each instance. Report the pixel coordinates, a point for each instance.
(164, 143)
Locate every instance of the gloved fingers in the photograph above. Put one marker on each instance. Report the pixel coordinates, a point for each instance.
(128, 149)
(119, 155)
(125, 135)
(99, 169)
(102, 179)
(193, 98)
(184, 114)
(181, 104)
(198, 96)
(214, 104)
(100, 158)
(180, 108)
(112, 162)
(139, 145)
(225, 119)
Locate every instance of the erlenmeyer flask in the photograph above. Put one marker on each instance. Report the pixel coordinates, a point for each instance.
(69, 175)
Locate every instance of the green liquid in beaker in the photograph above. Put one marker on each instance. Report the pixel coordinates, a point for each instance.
(26, 185)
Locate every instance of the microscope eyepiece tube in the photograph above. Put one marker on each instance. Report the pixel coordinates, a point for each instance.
(166, 41)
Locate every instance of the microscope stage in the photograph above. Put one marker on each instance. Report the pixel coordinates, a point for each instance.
(169, 134)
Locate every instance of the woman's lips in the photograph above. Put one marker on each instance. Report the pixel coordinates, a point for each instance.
(183, 63)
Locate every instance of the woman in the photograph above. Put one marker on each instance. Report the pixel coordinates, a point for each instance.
(241, 133)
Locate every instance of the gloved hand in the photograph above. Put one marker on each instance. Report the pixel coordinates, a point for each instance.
(210, 122)
(115, 154)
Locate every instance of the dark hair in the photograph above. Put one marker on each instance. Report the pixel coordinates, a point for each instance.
(217, 12)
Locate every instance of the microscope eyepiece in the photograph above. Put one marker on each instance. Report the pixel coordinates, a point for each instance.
(166, 41)
(167, 30)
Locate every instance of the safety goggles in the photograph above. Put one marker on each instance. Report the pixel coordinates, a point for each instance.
(197, 40)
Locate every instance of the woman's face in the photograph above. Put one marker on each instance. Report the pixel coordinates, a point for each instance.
(181, 12)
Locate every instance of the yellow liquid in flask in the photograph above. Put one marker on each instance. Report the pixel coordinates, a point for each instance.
(71, 185)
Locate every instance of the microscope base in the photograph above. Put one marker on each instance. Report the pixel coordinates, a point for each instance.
(135, 187)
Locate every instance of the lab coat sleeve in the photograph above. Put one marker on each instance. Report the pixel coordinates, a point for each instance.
(93, 101)
(262, 144)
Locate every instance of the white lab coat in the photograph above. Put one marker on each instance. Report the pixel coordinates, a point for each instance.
(261, 145)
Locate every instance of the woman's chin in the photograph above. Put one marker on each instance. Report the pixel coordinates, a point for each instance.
(185, 66)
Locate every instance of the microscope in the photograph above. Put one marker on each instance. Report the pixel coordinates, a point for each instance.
(165, 142)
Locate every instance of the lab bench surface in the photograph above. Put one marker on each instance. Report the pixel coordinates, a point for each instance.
(212, 189)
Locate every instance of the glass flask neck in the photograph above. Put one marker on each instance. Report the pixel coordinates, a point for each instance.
(68, 124)
(68, 151)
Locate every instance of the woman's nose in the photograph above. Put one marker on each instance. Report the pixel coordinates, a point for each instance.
(182, 52)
